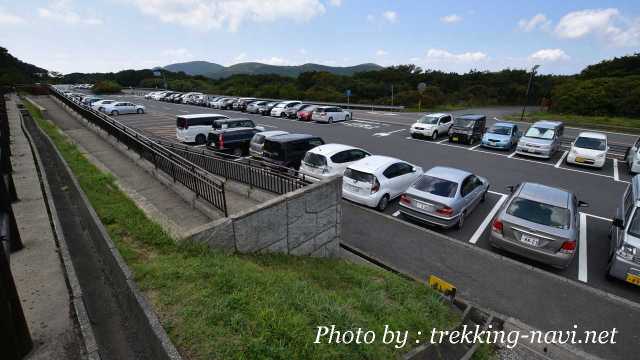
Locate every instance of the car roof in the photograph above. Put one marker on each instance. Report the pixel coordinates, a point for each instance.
(545, 194)
(471, 117)
(437, 114)
(232, 129)
(448, 173)
(292, 137)
(273, 133)
(373, 163)
(547, 124)
(199, 116)
(505, 124)
(330, 149)
(594, 135)
(288, 102)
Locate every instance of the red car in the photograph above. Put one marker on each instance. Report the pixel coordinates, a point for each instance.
(305, 114)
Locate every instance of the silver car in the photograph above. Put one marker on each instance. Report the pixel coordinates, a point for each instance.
(541, 140)
(539, 222)
(443, 196)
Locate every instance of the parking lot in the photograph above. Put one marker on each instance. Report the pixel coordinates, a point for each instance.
(387, 134)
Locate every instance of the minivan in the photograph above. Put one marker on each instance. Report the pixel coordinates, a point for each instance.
(467, 129)
(541, 140)
(289, 150)
(624, 250)
(231, 140)
(195, 127)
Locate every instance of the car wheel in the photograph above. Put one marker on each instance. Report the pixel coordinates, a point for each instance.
(434, 136)
(346, 118)
(140, 111)
(237, 152)
(484, 196)
(115, 113)
(461, 220)
(283, 115)
(414, 136)
(330, 120)
(200, 139)
(470, 141)
(382, 205)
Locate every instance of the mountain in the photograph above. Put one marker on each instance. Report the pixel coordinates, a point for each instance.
(216, 71)
(14, 71)
(195, 67)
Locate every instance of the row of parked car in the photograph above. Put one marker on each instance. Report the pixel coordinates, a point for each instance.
(107, 106)
(542, 139)
(291, 109)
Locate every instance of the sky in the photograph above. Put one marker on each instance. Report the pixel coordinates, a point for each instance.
(111, 35)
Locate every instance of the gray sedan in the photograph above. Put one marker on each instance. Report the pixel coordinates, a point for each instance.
(538, 222)
(443, 196)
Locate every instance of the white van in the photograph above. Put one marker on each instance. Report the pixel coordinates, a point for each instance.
(194, 128)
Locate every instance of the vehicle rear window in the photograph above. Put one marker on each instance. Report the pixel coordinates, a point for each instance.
(181, 123)
(273, 150)
(358, 175)
(314, 160)
(540, 133)
(436, 186)
(539, 213)
(463, 123)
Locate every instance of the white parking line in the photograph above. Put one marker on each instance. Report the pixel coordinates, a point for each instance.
(443, 141)
(475, 147)
(512, 155)
(395, 214)
(582, 249)
(616, 176)
(564, 155)
(598, 217)
(480, 230)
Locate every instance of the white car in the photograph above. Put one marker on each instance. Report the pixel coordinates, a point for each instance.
(330, 159)
(589, 149)
(432, 125)
(279, 110)
(96, 105)
(376, 180)
(194, 128)
(121, 107)
(186, 98)
(158, 95)
(329, 114)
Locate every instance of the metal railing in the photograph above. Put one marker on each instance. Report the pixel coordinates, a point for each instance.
(255, 173)
(179, 169)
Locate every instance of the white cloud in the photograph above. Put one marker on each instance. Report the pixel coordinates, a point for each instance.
(439, 55)
(538, 21)
(209, 14)
(381, 52)
(335, 2)
(450, 19)
(241, 57)
(274, 60)
(548, 55)
(390, 16)
(7, 18)
(62, 11)
(606, 24)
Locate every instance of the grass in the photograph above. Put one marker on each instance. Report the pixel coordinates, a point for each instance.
(596, 122)
(217, 306)
(484, 352)
(439, 108)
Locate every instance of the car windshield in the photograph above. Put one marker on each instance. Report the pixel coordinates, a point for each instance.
(427, 119)
(539, 213)
(258, 139)
(280, 105)
(591, 143)
(463, 123)
(436, 186)
(500, 130)
(358, 175)
(315, 160)
(540, 133)
(634, 225)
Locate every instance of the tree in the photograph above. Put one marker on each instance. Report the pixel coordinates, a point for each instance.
(106, 87)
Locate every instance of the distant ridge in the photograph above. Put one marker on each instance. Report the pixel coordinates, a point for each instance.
(217, 71)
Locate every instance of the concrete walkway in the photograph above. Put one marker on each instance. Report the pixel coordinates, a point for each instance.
(37, 269)
(159, 203)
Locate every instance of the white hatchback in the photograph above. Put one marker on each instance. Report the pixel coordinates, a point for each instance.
(376, 180)
(589, 149)
(330, 159)
(329, 114)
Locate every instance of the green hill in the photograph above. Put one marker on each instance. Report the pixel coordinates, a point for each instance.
(14, 71)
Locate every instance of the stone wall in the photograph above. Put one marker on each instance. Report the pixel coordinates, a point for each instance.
(304, 222)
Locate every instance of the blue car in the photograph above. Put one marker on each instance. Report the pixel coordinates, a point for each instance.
(502, 136)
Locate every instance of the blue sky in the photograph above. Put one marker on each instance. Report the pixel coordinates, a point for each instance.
(112, 35)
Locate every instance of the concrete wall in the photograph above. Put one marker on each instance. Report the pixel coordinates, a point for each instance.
(304, 222)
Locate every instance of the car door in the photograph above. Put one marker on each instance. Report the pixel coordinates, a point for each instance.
(633, 152)
(444, 124)
(393, 184)
(407, 176)
(470, 191)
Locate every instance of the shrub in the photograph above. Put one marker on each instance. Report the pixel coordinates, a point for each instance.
(106, 87)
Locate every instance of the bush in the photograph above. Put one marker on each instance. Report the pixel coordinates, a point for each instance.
(106, 87)
(602, 96)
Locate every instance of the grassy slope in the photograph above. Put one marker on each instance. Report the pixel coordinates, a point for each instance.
(251, 306)
(596, 122)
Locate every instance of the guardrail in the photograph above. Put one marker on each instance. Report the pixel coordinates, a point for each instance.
(265, 176)
(179, 169)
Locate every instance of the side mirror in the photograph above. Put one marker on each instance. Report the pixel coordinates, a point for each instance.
(414, 169)
(617, 222)
(582, 204)
(511, 188)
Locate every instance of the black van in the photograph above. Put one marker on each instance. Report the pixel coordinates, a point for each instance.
(289, 150)
(467, 129)
(231, 140)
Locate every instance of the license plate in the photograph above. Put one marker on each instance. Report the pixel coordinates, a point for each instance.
(530, 240)
(423, 206)
(353, 188)
(634, 279)
(455, 138)
(580, 160)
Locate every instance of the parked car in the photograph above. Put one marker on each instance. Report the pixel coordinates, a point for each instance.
(432, 125)
(194, 128)
(467, 129)
(376, 180)
(632, 158)
(242, 105)
(227, 103)
(96, 105)
(280, 108)
(330, 114)
(215, 104)
(538, 222)
(306, 113)
(235, 123)
(257, 142)
(211, 100)
(89, 100)
(443, 196)
(541, 140)
(189, 97)
(122, 107)
(624, 249)
(330, 159)
(265, 109)
(502, 136)
(289, 150)
(231, 140)
(589, 149)
(292, 112)
(254, 107)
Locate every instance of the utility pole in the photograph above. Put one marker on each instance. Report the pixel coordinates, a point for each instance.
(524, 107)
